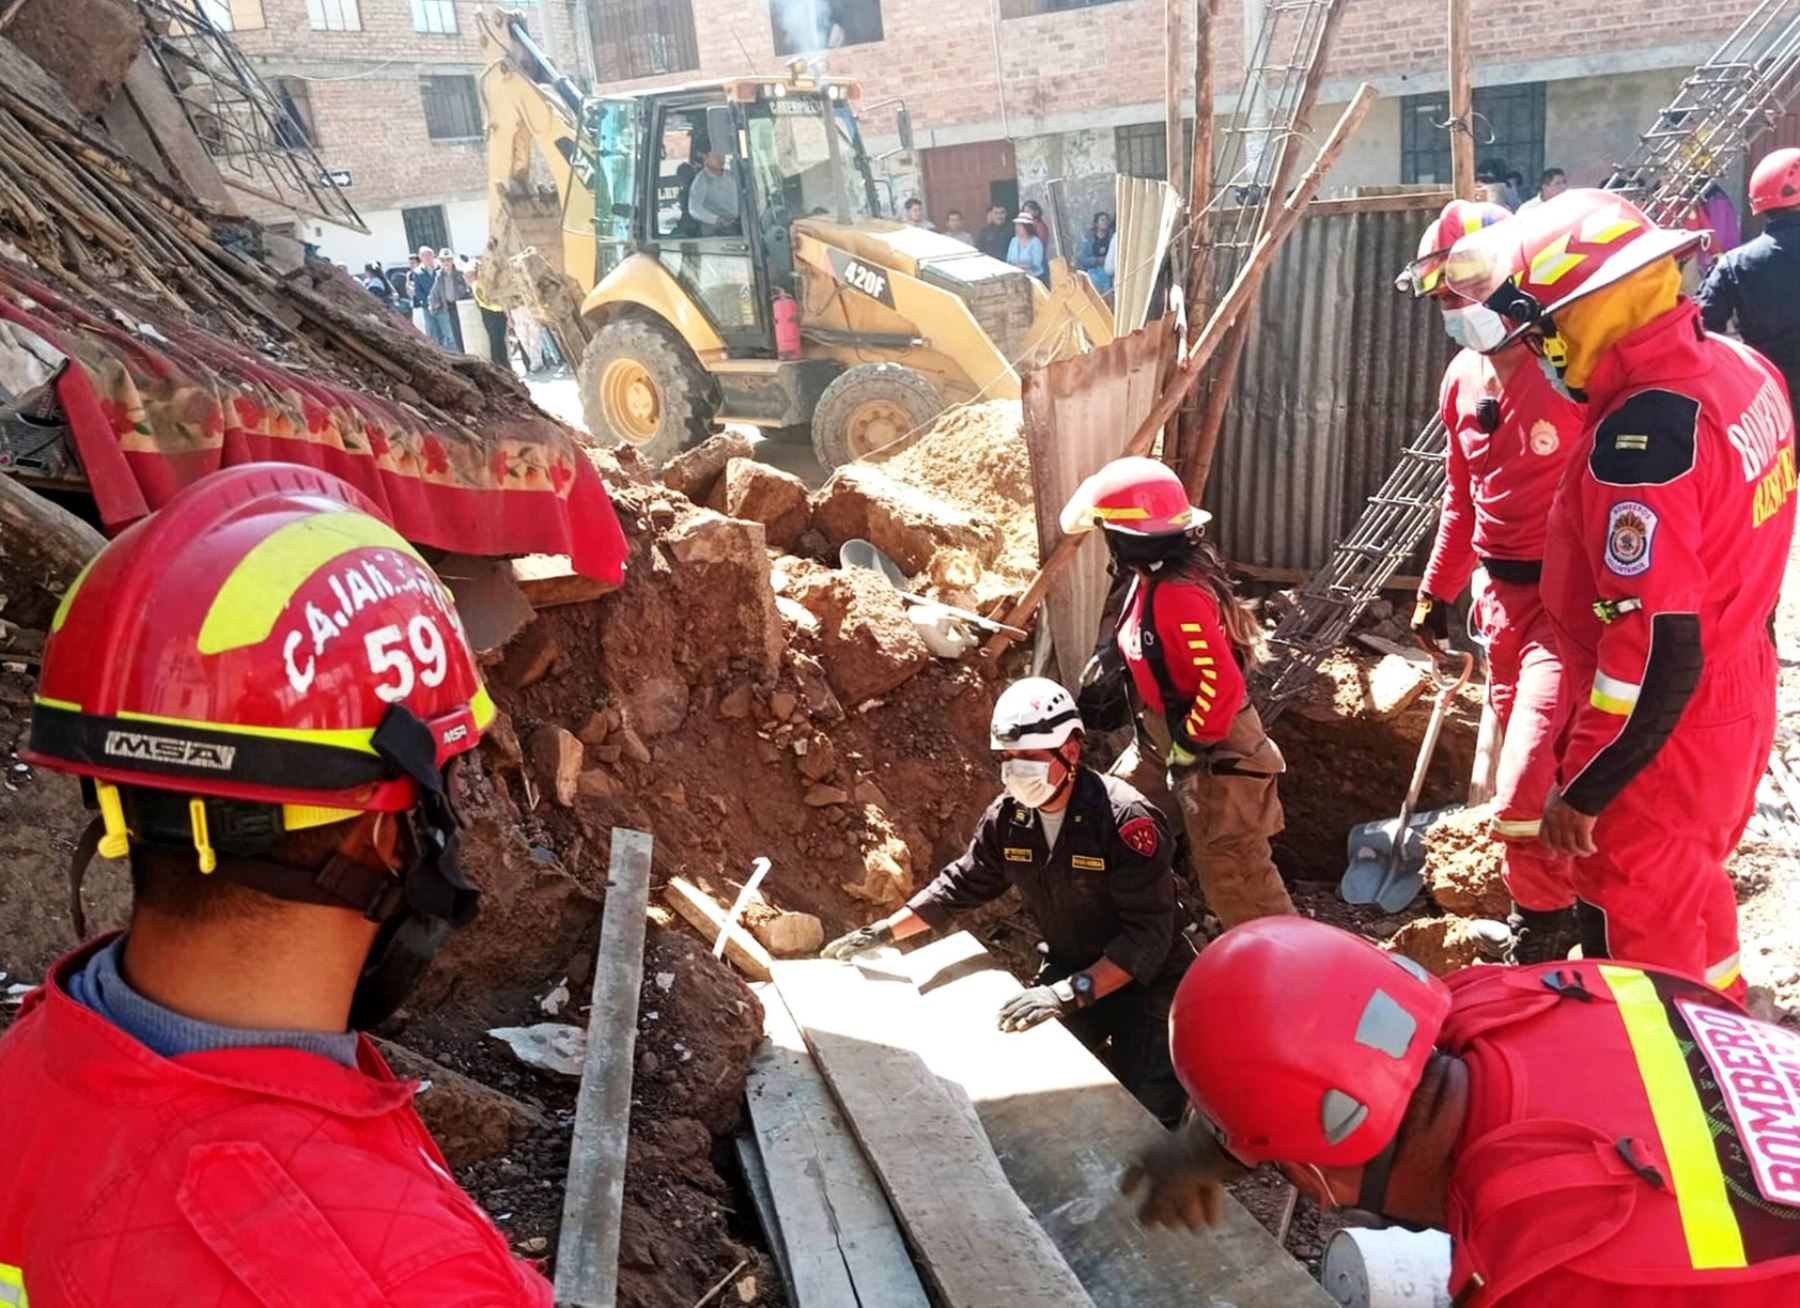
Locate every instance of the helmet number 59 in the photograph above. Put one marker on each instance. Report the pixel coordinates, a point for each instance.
(415, 655)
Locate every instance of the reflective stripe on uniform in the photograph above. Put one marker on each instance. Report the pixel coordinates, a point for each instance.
(1723, 974)
(1516, 828)
(12, 1287)
(1713, 1238)
(1610, 695)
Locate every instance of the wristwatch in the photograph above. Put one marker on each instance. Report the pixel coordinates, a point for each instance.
(1082, 985)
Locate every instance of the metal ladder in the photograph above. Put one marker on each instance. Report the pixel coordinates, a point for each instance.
(1290, 41)
(1725, 104)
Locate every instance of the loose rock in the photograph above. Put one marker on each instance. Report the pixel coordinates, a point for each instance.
(556, 763)
(868, 645)
(790, 935)
(1463, 865)
(469, 1121)
(770, 496)
(1438, 944)
(824, 796)
(909, 525)
(695, 472)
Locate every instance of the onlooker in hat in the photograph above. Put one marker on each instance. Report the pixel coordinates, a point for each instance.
(440, 301)
(1026, 250)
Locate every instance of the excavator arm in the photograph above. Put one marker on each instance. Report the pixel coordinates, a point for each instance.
(540, 252)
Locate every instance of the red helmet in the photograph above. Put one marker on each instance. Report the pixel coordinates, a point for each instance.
(1425, 274)
(1136, 497)
(1565, 249)
(1303, 1043)
(246, 642)
(1776, 182)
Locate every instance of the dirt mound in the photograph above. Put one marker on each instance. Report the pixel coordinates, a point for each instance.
(975, 458)
(1462, 865)
(1438, 944)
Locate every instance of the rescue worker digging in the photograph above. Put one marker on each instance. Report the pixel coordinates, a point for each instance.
(1091, 859)
(262, 688)
(1185, 641)
(1591, 1134)
(1510, 437)
(1668, 539)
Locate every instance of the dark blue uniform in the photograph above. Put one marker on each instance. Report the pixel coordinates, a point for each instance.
(1759, 285)
(1105, 889)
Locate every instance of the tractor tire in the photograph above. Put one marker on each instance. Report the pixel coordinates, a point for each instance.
(641, 386)
(869, 407)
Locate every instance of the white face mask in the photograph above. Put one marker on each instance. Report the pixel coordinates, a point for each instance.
(1475, 327)
(1027, 781)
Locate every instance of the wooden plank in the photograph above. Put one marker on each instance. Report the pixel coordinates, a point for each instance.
(587, 1254)
(707, 916)
(842, 1246)
(550, 579)
(976, 1242)
(1064, 1129)
(756, 1181)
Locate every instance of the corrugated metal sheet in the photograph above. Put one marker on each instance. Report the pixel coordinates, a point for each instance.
(1340, 370)
(1079, 412)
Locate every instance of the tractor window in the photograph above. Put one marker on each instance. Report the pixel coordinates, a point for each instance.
(681, 213)
(612, 127)
(792, 156)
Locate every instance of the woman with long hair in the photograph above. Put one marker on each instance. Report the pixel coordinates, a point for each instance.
(1187, 642)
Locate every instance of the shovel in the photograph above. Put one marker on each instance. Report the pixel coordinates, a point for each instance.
(1387, 859)
(858, 553)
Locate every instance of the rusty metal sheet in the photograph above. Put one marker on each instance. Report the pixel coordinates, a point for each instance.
(1079, 413)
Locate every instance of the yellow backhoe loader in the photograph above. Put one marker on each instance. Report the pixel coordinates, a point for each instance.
(712, 253)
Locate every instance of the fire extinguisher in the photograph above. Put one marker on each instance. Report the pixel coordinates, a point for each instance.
(787, 325)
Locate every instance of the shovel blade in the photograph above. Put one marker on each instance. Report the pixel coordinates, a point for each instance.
(1365, 876)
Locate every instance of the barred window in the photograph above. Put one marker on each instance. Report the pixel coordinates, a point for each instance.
(452, 107)
(643, 38)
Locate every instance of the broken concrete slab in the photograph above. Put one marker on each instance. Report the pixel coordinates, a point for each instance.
(695, 472)
(860, 502)
(770, 496)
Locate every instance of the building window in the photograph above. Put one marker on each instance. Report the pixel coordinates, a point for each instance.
(1143, 150)
(452, 108)
(435, 16)
(805, 26)
(232, 15)
(643, 38)
(294, 129)
(1512, 116)
(1030, 8)
(334, 15)
(425, 226)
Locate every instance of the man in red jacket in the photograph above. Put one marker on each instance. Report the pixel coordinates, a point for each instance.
(1668, 539)
(1591, 1134)
(1510, 435)
(261, 687)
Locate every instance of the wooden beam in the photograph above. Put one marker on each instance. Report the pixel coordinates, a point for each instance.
(1172, 143)
(975, 1240)
(841, 1243)
(587, 1254)
(707, 916)
(1406, 202)
(1064, 1130)
(1242, 293)
(1462, 103)
(43, 541)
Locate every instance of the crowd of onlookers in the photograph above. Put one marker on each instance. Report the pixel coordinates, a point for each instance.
(429, 289)
(1023, 239)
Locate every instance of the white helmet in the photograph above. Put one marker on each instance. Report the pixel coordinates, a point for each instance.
(1033, 713)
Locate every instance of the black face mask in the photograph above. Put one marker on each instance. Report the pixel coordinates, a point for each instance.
(1143, 553)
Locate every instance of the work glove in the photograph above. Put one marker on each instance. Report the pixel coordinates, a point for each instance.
(1183, 1178)
(1431, 617)
(1029, 1007)
(1181, 758)
(858, 940)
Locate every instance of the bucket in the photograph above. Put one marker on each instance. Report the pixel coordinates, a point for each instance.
(1366, 1268)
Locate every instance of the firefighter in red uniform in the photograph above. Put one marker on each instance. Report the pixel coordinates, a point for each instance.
(1510, 436)
(262, 688)
(1591, 1134)
(1668, 539)
(1186, 641)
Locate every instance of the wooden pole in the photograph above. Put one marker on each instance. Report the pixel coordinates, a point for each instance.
(587, 1254)
(1242, 293)
(1462, 103)
(1177, 159)
(1199, 212)
(1197, 452)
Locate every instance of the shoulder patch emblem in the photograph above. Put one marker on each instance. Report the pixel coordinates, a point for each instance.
(1140, 836)
(1647, 441)
(1630, 531)
(1543, 438)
